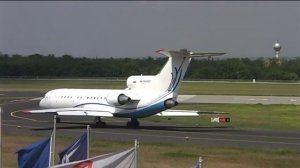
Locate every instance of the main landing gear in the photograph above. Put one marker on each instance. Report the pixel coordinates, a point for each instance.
(134, 123)
(98, 123)
(58, 120)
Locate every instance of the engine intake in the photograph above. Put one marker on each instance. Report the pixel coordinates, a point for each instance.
(117, 99)
(170, 103)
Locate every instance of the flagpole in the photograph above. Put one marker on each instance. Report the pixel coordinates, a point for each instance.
(88, 141)
(200, 162)
(136, 145)
(50, 152)
(53, 140)
(0, 137)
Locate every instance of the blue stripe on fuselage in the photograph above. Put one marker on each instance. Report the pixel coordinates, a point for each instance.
(145, 112)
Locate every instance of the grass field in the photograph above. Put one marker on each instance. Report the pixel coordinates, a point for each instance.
(258, 116)
(167, 155)
(45, 85)
(210, 88)
(152, 155)
(256, 89)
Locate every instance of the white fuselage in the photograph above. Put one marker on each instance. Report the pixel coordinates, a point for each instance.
(148, 104)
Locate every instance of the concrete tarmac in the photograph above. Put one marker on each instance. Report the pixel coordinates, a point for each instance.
(15, 122)
(233, 99)
(226, 99)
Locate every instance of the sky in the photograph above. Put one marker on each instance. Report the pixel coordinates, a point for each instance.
(139, 28)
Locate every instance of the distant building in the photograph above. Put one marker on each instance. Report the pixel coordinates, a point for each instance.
(277, 48)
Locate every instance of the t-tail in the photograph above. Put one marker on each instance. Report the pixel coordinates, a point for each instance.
(171, 75)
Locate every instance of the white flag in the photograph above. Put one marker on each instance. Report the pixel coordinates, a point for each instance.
(125, 159)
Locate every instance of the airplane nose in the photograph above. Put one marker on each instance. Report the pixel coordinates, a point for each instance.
(43, 103)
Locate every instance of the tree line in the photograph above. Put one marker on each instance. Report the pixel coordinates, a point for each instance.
(37, 65)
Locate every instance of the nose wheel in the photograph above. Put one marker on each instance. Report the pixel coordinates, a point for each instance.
(134, 123)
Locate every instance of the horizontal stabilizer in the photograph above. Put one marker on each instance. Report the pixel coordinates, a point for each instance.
(192, 54)
(187, 53)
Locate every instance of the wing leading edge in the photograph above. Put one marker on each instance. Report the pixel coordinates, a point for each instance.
(73, 112)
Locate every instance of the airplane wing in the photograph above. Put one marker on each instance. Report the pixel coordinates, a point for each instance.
(73, 112)
(178, 113)
(212, 112)
(186, 113)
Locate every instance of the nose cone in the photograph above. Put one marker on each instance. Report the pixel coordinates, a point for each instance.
(44, 103)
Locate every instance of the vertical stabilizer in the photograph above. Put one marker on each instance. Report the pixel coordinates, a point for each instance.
(170, 77)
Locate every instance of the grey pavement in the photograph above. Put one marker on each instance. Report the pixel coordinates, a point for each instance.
(238, 99)
(15, 122)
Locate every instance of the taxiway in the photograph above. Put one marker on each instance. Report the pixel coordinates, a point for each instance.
(15, 122)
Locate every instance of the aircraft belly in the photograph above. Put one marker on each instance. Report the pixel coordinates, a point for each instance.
(142, 112)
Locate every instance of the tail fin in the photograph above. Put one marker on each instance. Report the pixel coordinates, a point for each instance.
(170, 77)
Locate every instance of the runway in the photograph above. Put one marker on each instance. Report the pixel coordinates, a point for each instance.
(227, 99)
(15, 122)
(233, 99)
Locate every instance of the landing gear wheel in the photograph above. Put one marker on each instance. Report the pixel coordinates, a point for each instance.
(58, 120)
(134, 123)
(98, 123)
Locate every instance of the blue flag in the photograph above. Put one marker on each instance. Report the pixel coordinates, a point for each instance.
(36, 155)
(76, 151)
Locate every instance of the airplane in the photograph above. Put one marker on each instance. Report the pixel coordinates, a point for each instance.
(144, 96)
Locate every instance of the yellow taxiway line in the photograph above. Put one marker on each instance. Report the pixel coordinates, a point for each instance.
(24, 118)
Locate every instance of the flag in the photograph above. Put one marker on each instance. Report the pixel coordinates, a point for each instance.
(199, 163)
(76, 151)
(36, 155)
(197, 166)
(125, 159)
